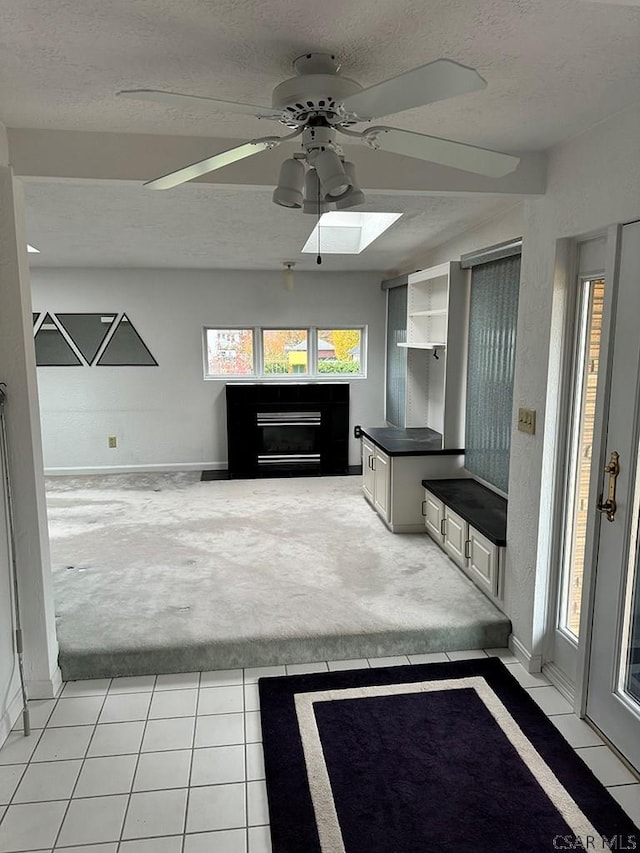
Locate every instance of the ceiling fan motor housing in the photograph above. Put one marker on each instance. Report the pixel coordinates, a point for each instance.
(313, 94)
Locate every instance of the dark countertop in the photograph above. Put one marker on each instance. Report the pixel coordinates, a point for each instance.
(415, 441)
(478, 505)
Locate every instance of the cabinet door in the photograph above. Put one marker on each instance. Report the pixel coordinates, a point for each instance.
(455, 537)
(484, 562)
(368, 472)
(382, 493)
(433, 511)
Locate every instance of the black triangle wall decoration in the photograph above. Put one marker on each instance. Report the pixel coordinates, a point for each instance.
(88, 331)
(52, 350)
(126, 348)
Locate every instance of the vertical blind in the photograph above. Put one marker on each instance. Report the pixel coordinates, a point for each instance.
(396, 356)
(492, 339)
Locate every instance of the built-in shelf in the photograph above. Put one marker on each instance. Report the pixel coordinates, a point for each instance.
(437, 310)
(422, 344)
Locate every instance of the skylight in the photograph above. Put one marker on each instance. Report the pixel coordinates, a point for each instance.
(347, 232)
(32, 249)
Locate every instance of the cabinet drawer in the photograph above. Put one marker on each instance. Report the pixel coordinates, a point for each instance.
(455, 536)
(484, 562)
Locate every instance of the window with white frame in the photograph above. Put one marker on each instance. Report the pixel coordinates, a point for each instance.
(282, 353)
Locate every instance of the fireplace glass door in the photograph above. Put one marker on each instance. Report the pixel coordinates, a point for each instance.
(289, 441)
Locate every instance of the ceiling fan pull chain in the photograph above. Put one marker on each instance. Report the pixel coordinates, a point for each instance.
(319, 258)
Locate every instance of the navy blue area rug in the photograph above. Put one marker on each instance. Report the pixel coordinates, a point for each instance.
(414, 759)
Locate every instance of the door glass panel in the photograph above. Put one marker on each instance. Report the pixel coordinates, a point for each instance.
(585, 384)
(630, 669)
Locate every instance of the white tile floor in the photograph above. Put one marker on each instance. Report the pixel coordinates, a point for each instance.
(173, 763)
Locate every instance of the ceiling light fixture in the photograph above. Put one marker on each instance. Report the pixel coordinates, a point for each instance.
(356, 196)
(288, 193)
(313, 201)
(328, 178)
(287, 275)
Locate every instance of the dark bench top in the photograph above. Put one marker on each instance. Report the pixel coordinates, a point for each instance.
(478, 505)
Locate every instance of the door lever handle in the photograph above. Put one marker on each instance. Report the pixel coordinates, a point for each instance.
(612, 468)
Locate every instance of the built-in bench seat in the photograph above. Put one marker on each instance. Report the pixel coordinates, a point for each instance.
(469, 521)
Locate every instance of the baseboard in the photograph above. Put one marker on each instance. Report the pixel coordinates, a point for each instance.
(166, 467)
(532, 663)
(560, 681)
(11, 715)
(407, 528)
(45, 688)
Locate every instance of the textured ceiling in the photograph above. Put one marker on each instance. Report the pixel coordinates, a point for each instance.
(553, 67)
(203, 226)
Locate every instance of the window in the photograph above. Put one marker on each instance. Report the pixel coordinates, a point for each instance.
(229, 352)
(282, 353)
(581, 430)
(285, 351)
(338, 350)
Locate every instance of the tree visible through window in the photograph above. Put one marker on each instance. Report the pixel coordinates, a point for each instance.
(339, 350)
(230, 352)
(284, 352)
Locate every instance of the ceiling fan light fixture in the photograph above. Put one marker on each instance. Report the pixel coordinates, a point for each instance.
(334, 181)
(288, 193)
(313, 201)
(287, 275)
(356, 196)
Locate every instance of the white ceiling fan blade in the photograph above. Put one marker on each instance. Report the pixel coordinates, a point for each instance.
(177, 99)
(445, 152)
(217, 161)
(424, 85)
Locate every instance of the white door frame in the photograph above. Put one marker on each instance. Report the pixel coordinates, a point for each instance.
(612, 274)
(561, 661)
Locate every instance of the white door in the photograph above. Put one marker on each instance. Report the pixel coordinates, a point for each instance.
(382, 493)
(368, 473)
(613, 691)
(433, 509)
(455, 537)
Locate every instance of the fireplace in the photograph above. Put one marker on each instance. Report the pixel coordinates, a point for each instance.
(287, 429)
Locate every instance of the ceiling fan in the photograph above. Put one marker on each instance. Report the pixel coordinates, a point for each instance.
(317, 105)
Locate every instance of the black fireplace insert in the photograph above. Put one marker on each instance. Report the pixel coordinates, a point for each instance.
(287, 429)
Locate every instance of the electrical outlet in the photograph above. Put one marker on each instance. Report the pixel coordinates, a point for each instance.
(113, 442)
(527, 421)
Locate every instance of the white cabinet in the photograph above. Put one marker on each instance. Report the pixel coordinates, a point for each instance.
(376, 478)
(437, 326)
(456, 532)
(393, 484)
(476, 555)
(368, 470)
(433, 512)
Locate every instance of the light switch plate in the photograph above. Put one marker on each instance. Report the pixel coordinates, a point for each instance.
(527, 421)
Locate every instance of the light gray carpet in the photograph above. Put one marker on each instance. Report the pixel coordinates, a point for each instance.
(164, 573)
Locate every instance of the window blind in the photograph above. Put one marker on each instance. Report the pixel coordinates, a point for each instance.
(491, 356)
(396, 356)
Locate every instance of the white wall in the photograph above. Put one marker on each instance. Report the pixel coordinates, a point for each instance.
(169, 415)
(17, 370)
(593, 182)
